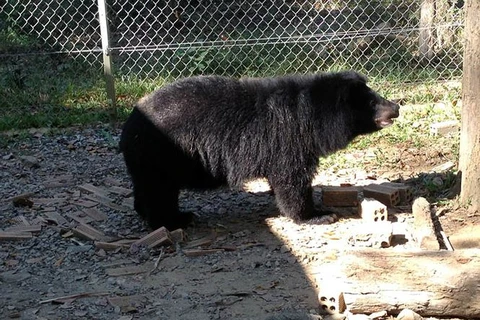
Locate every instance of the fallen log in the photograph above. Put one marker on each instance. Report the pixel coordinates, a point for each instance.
(431, 283)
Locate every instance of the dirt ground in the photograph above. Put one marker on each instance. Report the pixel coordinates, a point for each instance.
(257, 265)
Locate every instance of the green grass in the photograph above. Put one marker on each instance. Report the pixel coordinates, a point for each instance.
(61, 90)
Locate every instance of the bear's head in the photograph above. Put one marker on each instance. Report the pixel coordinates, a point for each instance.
(370, 111)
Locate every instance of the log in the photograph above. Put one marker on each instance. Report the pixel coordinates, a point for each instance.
(431, 283)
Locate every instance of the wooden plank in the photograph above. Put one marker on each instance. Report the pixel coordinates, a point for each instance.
(79, 216)
(121, 191)
(85, 203)
(6, 236)
(88, 187)
(56, 218)
(24, 229)
(107, 202)
(200, 252)
(95, 214)
(88, 232)
(159, 236)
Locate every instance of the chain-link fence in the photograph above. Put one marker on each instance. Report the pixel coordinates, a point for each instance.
(51, 50)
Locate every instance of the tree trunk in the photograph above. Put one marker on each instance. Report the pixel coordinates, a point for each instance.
(470, 133)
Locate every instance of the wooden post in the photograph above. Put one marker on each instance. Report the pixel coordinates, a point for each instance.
(107, 59)
(426, 38)
(469, 163)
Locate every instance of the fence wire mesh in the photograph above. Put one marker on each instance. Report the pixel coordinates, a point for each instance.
(51, 55)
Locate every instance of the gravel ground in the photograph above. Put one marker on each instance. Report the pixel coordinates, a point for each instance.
(256, 270)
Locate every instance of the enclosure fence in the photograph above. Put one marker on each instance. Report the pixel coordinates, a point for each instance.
(66, 46)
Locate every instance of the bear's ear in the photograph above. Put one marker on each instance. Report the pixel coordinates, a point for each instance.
(354, 77)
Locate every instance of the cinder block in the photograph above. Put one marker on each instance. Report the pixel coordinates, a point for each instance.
(331, 300)
(444, 128)
(372, 234)
(406, 192)
(386, 195)
(372, 210)
(340, 196)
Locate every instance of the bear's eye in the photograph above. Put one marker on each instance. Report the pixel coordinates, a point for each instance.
(373, 103)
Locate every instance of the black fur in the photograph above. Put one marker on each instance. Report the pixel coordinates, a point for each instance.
(209, 131)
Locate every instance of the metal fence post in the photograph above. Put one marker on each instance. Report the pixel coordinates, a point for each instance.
(107, 58)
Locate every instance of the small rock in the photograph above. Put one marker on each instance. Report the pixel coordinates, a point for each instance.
(358, 317)
(8, 156)
(30, 161)
(407, 314)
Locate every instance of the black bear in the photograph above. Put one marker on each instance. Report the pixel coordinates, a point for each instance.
(208, 131)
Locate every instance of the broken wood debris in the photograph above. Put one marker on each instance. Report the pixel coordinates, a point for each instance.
(20, 228)
(95, 214)
(88, 232)
(79, 216)
(106, 201)
(159, 237)
(85, 203)
(110, 246)
(121, 191)
(56, 218)
(88, 187)
(200, 252)
(64, 299)
(5, 236)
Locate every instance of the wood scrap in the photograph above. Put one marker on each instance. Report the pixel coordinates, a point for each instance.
(121, 191)
(161, 236)
(88, 232)
(95, 214)
(200, 252)
(106, 202)
(88, 187)
(56, 218)
(79, 216)
(24, 229)
(110, 246)
(7, 236)
(63, 299)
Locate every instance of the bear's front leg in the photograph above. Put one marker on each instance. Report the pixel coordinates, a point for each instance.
(294, 199)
